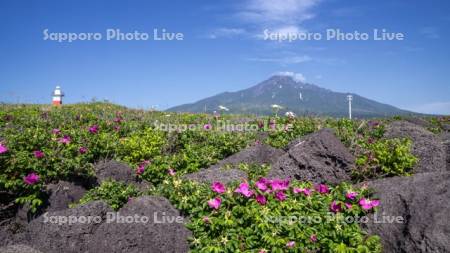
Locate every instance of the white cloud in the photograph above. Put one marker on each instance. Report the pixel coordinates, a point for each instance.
(296, 59)
(226, 32)
(287, 31)
(298, 77)
(280, 12)
(283, 32)
(430, 32)
(280, 15)
(433, 108)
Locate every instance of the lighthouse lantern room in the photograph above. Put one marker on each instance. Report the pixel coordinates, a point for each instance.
(57, 96)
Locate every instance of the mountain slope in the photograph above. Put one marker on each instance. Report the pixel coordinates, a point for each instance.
(301, 98)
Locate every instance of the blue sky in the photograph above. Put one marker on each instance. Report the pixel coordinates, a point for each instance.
(223, 49)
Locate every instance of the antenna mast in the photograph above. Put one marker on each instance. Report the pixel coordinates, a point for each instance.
(349, 99)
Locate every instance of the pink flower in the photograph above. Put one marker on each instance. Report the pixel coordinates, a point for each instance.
(145, 162)
(375, 203)
(262, 251)
(31, 179)
(313, 238)
(117, 128)
(260, 125)
(335, 207)
(348, 205)
(244, 190)
(290, 244)
(65, 140)
(261, 199)
(279, 185)
(218, 187)
(82, 150)
(56, 131)
(38, 154)
(272, 124)
(171, 172)
(93, 129)
(3, 148)
(261, 184)
(373, 124)
(280, 195)
(351, 195)
(206, 219)
(214, 203)
(305, 191)
(368, 204)
(322, 188)
(207, 126)
(118, 119)
(141, 168)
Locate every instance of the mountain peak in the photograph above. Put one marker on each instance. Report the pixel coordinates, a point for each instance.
(296, 77)
(290, 90)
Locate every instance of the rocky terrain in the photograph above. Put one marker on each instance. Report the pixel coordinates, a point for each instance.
(422, 199)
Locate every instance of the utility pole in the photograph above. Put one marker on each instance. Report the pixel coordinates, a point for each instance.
(349, 99)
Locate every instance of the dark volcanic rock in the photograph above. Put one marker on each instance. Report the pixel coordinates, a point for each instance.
(426, 145)
(118, 171)
(7, 206)
(418, 121)
(446, 142)
(115, 170)
(9, 227)
(53, 237)
(227, 170)
(18, 248)
(217, 174)
(165, 233)
(62, 194)
(422, 201)
(11, 232)
(318, 157)
(256, 154)
(140, 236)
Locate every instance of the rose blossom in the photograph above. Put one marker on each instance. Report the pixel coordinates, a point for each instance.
(244, 190)
(335, 207)
(367, 204)
(261, 199)
(31, 178)
(215, 203)
(3, 148)
(322, 188)
(218, 187)
(38, 154)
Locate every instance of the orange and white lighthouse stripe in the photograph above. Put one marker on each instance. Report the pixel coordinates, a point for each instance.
(57, 96)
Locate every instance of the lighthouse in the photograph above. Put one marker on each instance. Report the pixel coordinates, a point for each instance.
(57, 96)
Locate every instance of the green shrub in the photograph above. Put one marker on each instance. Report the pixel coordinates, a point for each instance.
(298, 127)
(142, 145)
(241, 224)
(196, 150)
(386, 157)
(116, 194)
